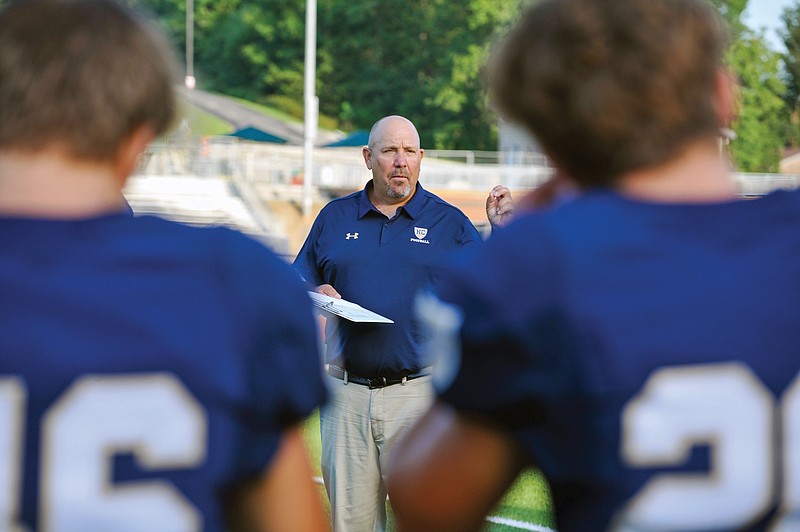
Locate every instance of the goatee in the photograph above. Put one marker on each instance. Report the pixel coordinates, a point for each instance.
(398, 194)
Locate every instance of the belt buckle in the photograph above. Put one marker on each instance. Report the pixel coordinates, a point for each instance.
(377, 382)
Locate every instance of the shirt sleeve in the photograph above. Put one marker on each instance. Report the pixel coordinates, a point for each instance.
(469, 233)
(306, 261)
(280, 342)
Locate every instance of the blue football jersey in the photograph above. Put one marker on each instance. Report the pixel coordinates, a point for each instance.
(146, 369)
(646, 356)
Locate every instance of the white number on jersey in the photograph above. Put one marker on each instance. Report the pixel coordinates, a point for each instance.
(152, 417)
(726, 407)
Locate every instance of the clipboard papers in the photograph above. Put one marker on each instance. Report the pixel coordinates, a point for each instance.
(346, 309)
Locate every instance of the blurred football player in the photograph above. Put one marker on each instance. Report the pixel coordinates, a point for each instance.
(152, 375)
(638, 343)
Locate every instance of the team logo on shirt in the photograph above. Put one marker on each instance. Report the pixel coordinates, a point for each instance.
(420, 233)
(348, 236)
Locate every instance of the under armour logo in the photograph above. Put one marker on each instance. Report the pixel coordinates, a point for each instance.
(354, 236)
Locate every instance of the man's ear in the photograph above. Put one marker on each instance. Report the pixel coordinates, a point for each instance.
(367, 154)
(130, 150)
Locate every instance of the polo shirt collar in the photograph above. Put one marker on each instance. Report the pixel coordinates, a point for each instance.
(412, 208)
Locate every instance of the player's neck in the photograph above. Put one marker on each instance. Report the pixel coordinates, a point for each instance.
(697, 175)
(47, 184)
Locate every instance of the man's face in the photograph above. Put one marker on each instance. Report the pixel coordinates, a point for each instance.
(395, 160)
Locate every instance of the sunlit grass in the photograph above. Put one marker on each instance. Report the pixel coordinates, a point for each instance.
(528, 500)
(203, 124)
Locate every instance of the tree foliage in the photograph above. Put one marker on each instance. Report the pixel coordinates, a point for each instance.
(761, 127)
(790, 35)
(419, 58)
(731, 11)
(424, 59)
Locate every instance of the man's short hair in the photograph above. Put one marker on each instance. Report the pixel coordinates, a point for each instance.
(610, 86)
(81, 75)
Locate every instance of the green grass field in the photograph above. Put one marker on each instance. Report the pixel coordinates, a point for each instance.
(202, 123)
(527, 501)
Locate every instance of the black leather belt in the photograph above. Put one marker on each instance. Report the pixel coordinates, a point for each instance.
(373, 382)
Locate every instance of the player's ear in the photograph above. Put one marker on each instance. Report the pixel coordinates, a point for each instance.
(131, 148)
(726, 97)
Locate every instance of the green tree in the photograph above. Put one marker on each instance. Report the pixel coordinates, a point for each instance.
(790, 35)
(763, 115)
(424, 58)
(731, 11)
(761, 128)
(248, 48)
(419, 58)
(254, 49)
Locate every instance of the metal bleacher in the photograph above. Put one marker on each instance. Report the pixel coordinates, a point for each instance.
(270, 167)
(204, 201)
(227, 182)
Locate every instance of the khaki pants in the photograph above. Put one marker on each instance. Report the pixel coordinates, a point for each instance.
(358, 427)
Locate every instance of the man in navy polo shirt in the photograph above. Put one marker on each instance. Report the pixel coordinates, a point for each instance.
(377, 247)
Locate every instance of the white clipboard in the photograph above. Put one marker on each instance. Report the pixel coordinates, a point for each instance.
(346, 309)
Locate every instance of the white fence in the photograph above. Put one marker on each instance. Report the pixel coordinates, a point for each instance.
(337, 170)
(228, 182)
(752, 185)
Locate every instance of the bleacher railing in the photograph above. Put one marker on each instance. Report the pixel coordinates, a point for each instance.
(339, 170)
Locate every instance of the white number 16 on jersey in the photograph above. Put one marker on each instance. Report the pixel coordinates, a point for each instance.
(152, 417)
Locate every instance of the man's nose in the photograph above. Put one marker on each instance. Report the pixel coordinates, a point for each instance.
(401, 159)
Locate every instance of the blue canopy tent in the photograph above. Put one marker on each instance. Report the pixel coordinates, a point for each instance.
(357, 138)
(253, 133)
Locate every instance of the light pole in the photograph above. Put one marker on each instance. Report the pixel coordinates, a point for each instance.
(311, 103)
(190, 81)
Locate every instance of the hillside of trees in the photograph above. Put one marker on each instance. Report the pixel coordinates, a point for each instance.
(424, 59)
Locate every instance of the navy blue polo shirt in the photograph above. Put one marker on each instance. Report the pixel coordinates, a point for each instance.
(380, 263)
